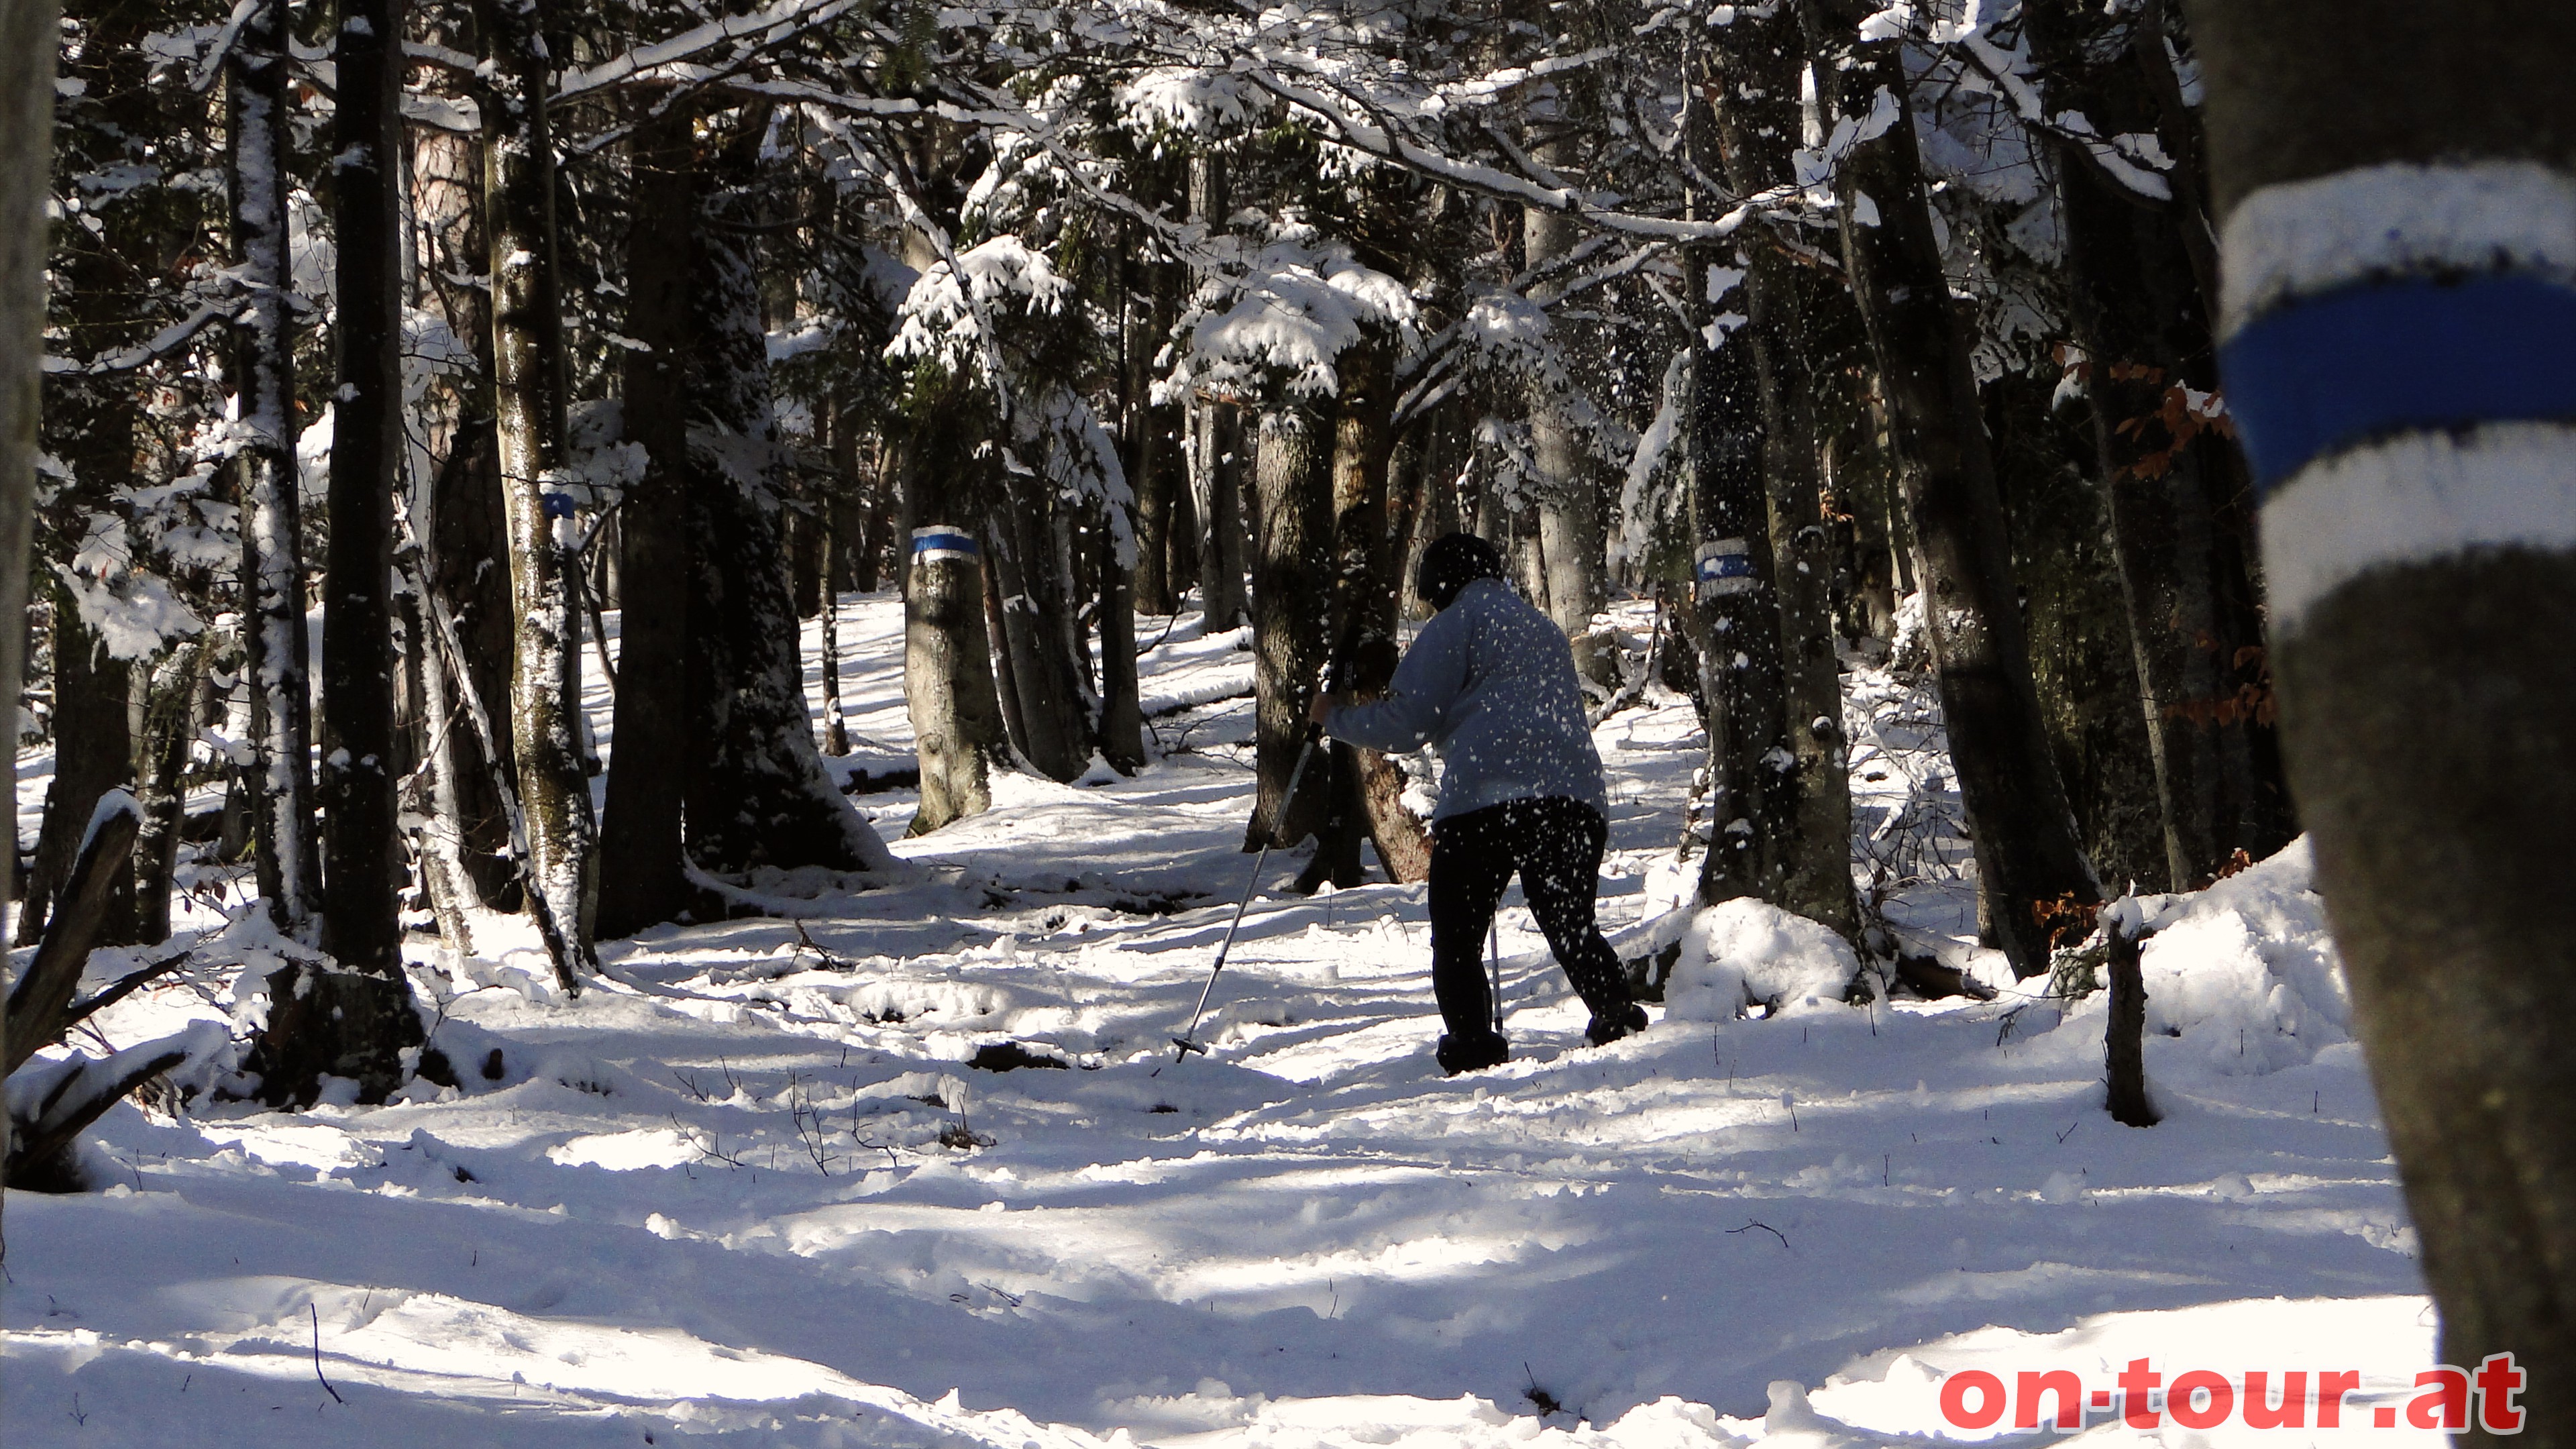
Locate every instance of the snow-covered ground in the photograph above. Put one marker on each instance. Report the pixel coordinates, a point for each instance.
(753, 1189)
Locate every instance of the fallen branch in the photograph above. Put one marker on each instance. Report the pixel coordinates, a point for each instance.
(36, 1005)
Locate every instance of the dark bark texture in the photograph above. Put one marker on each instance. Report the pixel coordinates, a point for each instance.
(2425, 707)
(757, 791)
(2180, 502)
(2029, 864)
(1291, 603)
(643, 877)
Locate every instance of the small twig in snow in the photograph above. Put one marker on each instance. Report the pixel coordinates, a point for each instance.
(317, 1355)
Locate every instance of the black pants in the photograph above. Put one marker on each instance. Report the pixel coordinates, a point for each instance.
(1555, 846)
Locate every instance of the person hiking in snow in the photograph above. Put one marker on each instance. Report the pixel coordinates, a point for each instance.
(1490, 685)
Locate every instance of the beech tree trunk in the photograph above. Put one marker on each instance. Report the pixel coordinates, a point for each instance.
(2180, 499)
(2031, 871)
(1762, 59)
(2426, 696)
(948, 683)
(1569, 505)
(288, 867)
(1291, 600)
(528, 404)
(643, 865)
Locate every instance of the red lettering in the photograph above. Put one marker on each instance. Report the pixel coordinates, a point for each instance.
(2498, 1382)
(1954, 1399)
(2332, 1385)
(2293, 1413)
(2070, 1399)
(2444, 1404)
(2136, 1384)
(2186, 1387)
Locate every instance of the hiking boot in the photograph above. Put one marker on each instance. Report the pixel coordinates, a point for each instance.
(1472, 1053)
(1626, 1021)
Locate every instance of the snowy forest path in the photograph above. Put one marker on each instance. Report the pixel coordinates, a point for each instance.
(757, 1187)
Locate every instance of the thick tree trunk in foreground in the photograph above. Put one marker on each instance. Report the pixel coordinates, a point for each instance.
(528, 402)
(757, 791)
(1291, 594)
(289, 868)
(2179, 497)
(1762, 59)
(28, 39)
(2422, 567)
(2030, 868)
(643, 877)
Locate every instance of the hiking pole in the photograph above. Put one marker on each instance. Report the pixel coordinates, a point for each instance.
(1494, 963)
(1186, 1041)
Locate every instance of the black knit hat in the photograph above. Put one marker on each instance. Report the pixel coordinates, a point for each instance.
(1451, 564)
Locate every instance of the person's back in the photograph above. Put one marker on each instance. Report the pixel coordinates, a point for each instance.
(1518, 729)
(1490, 684)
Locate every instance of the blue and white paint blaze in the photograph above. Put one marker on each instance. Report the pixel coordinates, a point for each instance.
(941, 542)
(2399, 347)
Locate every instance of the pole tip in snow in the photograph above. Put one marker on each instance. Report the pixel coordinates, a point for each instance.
(1186, 1046)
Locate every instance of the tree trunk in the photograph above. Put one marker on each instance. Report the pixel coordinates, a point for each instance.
(1122, 711)
(2029, 864)
(1743, 696)
(28, 40)
(289, 868)
(2419, 533)
(836, 730)
(1763, 59)
(948, 685)
(174, 692)
(643, 865)
(1569, 504)
(1365, 787)
(1021, 519)
(1153, 434)
(1291, 599)
(2177, 488)
(528, 404)
(361, 864)
(757, 791)
(1216, 444)
(93, 754)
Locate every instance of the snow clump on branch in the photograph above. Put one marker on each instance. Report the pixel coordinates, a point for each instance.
(1297, 304)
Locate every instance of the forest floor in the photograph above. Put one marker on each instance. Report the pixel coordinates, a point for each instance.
(753, 1190)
